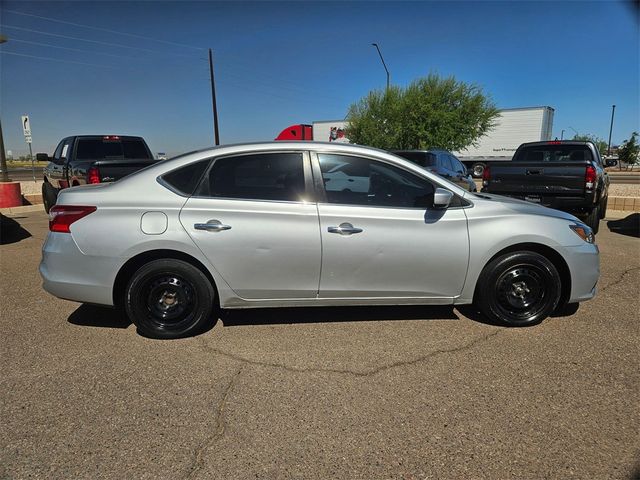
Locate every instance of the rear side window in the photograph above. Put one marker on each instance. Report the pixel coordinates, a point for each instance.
(184, 180)
(424, 159)
(259, 176)
(553, 153)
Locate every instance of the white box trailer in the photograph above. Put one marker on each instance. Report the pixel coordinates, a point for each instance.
(514, 126)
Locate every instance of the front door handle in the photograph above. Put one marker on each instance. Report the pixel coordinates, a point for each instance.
(344, 229)
(212, 225)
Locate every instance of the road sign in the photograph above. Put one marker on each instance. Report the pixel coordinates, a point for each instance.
(27, 138)
(26, 127)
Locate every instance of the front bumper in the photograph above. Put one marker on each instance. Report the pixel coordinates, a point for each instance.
(70, 274)
(584, 266)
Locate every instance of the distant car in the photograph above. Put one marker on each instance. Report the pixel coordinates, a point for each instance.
(441, 162)
(280, 224)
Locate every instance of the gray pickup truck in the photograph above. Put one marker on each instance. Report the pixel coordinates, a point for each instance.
(83, 159)
(565, 175)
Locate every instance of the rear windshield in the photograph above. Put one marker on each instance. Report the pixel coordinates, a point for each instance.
(553, 153)
(101, 149)
(424, 159)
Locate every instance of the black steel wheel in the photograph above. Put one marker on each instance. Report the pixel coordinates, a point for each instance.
(169, 299)
(49, 196)
(519, 289)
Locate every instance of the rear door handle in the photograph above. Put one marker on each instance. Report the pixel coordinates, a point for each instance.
(344, 229)
(534, 172)
(212, 225)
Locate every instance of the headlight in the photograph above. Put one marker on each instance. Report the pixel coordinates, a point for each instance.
(584, 232)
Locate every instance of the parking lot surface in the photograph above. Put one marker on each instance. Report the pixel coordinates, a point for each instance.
(348, 393)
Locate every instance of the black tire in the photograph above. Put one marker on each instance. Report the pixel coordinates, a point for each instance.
(518, 289)
(49, 196)
(593, 219)
(169, 299)
(603, 206)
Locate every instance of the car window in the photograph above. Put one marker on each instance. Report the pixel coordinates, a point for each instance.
(362, 181)
(553, 153)
(446, 161)
(184, 180)
(260, 176)
(58, 152)
(424, 159)
(134, 149)
(457, 165)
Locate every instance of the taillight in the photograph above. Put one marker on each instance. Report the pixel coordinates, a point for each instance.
(590, 177)
(93, 175)
(62, 216)
(486, 176)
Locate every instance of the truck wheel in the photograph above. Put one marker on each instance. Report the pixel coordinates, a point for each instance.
(478, 169)
(518, 289)
(49, 196)
(169, 299)
(593, 219)
(603, 207)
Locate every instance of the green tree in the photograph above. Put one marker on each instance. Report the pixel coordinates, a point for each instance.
(431, 112)
(629, 151)
(600, 144)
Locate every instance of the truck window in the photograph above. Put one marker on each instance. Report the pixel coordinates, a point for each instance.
(553, 153)
(100, 149)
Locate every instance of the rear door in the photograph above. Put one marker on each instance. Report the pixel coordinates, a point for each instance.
(57, 169)
(254, 219)
(381, 239)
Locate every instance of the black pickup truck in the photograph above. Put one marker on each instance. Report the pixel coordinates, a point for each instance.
(565, 175)
(83, 159)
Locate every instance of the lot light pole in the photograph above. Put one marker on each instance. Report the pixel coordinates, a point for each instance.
(4, 172)
(383, 64)
(216, 134)
(613, 111)
(562, 135)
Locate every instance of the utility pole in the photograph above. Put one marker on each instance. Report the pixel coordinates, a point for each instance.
(383, 64)
(562, 135)
(216, 134)
(613, 111)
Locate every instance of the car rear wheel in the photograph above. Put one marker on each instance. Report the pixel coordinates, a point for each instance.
(49, 196)
(519, 289)
(593, 219)
(169, 299)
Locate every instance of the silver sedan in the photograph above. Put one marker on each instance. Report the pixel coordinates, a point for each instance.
(308, 224)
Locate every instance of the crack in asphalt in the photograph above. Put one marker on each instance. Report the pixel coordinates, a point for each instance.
(619, 279)
(198, 460)
(355, 373)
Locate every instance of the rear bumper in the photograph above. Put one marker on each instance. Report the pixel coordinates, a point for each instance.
(70, 274)
(584, 266)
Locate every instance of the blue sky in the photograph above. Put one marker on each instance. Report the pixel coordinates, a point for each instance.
(280, 63)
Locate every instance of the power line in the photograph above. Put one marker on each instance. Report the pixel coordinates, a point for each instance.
(54, 59)
(91, 27)
(92, 41)
(73, 49)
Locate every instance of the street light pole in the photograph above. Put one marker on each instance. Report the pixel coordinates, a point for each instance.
(4, 172)
(562, 135)
(216, 134)
(613, 111)
(383, 64)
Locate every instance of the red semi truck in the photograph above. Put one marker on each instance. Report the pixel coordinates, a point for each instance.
(322, 131)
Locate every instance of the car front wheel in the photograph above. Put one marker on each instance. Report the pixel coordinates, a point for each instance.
(169, 299)
(518, 289)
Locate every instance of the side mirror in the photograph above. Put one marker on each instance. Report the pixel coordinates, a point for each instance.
(42, 157)
(442, 198)
(611, 162)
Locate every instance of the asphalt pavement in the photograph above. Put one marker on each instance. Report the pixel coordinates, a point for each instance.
(327, 393)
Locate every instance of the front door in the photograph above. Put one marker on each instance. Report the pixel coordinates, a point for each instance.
(252, 219)
(381, 236)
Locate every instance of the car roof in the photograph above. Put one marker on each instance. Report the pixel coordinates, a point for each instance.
(556, 142)
(430, 150)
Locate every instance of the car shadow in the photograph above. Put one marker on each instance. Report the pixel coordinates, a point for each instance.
(629, 225)
(11, 231)
(472, 313)
(276, 316)
(96, 316)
